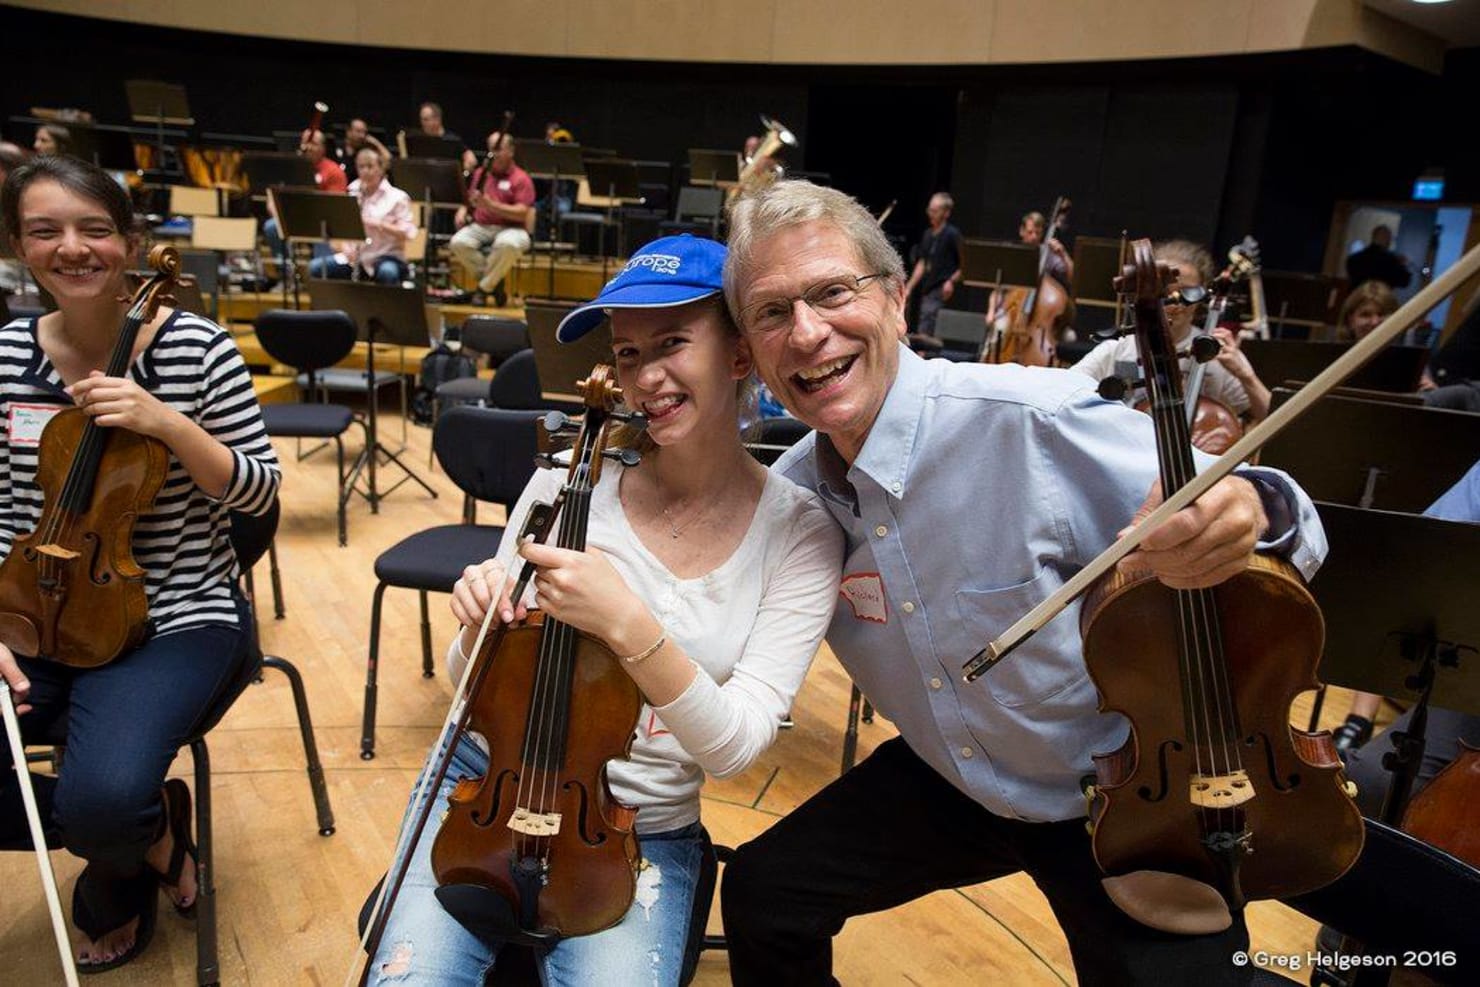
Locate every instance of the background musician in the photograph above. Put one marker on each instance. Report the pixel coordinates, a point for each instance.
(110, 805)
(1379, 262)
(984, 779)
(937, 268)
(429, 115)
(327, 176)
(356, 136)
(731, 570)
(52, 138)
(1057, 265)
(385, 212)
(1229, 379)
(497, 216)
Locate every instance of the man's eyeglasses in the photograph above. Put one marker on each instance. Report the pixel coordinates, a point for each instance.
(772, 315)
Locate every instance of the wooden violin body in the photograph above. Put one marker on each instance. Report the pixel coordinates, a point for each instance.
(584, 873)
(71, 590)
(1285, 790)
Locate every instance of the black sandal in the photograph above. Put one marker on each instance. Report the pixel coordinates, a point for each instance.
(85, 917)
(176, 819)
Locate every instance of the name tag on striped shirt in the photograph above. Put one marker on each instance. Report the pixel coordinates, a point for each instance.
(864, 592)
(27, 421)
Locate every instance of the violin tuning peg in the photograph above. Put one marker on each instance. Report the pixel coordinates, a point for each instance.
(1114, 388)
(627, 457)
(635, 419)
(545, 460)
(555, 422)
(1205, 348)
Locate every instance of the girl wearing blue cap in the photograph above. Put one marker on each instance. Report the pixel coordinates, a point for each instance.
(712, 578)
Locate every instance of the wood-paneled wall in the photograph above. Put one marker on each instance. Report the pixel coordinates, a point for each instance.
(866, 32)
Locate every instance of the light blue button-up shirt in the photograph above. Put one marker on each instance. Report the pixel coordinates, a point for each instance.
(978, 492)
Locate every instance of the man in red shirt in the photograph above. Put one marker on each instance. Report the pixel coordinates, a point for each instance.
(498, 215)
(326, 174)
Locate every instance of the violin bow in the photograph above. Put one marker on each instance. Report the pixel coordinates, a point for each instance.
(38, 837)
(537, 527)
(1391, 328)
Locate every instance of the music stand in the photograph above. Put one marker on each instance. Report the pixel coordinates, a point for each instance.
(1294, 298)
(158, 103)
(433, 181)
(557, 163)
(110, 148)
(998, 263)
(995, 264)
(560, 365)
(1096, 265)
(419, 145)
(1394, 368)
(1375, 454)
(620, 182)
(710, 167)
(306, 216)
(383, 313)
(1418, 633)
(266, 169)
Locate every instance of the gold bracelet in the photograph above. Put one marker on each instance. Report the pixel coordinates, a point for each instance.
(647, 653)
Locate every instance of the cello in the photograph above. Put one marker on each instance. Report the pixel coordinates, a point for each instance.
(538, 848)
(71, 591)
(1036, 316)
(1214, 799)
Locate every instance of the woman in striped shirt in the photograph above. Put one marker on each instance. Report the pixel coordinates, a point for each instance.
(188, 388)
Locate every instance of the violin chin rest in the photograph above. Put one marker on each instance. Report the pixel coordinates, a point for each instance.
(1169, 902)
(20, 634)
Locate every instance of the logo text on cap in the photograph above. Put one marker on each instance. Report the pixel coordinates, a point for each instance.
(660, 263)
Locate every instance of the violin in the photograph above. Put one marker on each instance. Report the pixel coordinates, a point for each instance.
(1036, 317)
(71, 591)
(538, 848)
(1214, 799)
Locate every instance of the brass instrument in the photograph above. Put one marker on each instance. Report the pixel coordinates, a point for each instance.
(761, 169)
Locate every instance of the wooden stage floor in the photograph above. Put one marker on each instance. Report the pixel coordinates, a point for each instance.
(287, 897)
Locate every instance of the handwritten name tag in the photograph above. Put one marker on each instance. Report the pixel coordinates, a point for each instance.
(864, 592)
(27, 421)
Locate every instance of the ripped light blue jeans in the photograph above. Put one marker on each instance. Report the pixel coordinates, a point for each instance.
(423, 945)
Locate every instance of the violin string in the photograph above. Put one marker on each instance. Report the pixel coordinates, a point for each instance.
(92, 436)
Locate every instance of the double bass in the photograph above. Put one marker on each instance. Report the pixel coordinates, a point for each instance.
(538, 848)
(1214, 799)
(1035, 317)
(71, 591)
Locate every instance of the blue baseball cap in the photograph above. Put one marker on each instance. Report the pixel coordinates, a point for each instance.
(672, 270)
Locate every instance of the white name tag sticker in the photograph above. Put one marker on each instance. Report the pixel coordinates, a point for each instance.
(27, 421)
(505, 185)
(864, 592)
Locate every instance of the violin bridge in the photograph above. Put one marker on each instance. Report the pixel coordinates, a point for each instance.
(1221, 791)
(534, 823)
(58, 552)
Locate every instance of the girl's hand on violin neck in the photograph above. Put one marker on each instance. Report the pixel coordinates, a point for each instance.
(483, 587)
(118, 402)
(1205, 543)
(1232, 355)
(585, 590)
(20, 686)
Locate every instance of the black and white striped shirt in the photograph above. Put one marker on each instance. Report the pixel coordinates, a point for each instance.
(183, 544)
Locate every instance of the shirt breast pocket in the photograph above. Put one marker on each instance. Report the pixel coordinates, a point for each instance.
(1043, 666)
